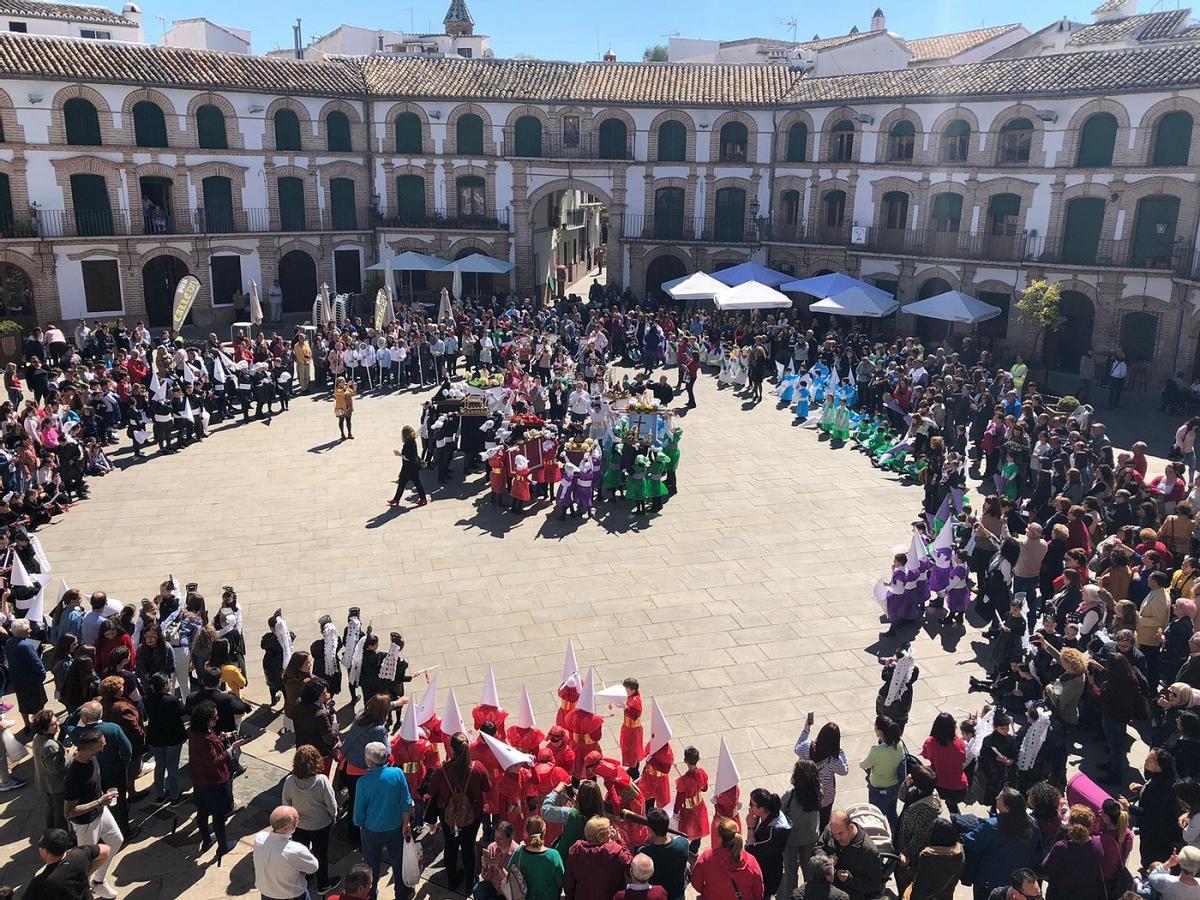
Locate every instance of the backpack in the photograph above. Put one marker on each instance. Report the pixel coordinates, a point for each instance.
(458, 811)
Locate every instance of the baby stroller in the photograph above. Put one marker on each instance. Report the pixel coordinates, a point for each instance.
(872, 820)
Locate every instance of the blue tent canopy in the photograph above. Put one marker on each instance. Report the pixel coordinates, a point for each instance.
(831, 285)
(750, 271)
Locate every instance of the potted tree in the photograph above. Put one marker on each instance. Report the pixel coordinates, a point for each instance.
(10, 338)
(1040, 304)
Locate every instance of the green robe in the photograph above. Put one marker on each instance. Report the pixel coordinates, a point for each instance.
(657, 482)
(637, 488)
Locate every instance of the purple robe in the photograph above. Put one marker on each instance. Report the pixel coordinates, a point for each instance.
(565, 491)
(939, 576)
(900, 604)
(958, 596)
(582, 492)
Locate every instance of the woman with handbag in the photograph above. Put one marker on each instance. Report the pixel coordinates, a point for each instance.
(370, 726)
(456, 792)
(535, 871)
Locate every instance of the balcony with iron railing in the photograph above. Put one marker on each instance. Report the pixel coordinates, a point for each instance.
(61, 223)
(697, 229)
(444, 219)
(557, 146)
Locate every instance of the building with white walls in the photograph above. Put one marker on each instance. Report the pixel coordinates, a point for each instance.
(97, 23)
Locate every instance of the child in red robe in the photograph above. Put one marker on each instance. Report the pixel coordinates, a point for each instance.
(690, 809)
(520, 488)
(655, 783)
(525, 735)
(413, 752)
(568, 696)
(584, 728)
(482, 754)
(632, 748)
(561, 752)
(489, 709)
(514, 787)
(498, 474)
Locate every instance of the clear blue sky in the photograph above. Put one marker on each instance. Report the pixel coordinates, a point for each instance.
(552, 29)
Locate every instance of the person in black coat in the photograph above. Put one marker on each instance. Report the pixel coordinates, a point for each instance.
(333, 679)
(228, 706)
(1156, 810)
(165, 735)
(768, 833)
(997, 762)
(410, 469)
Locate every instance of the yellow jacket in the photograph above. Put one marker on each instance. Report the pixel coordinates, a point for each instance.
(303, 352)
(343, 398)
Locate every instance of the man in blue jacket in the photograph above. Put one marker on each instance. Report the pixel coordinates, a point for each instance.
(382, 808)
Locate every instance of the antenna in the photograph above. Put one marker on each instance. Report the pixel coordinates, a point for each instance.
(409, 10)
(162, 21)
(790, 24)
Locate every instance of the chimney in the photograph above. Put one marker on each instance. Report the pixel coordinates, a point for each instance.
(878, 22)
(854, 29)
(609, 56)
(132, 12)
(296, 39)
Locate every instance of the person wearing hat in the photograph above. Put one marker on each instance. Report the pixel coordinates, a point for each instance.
(326, 653)
(584, 727)
(1185, 884)
(414, 754)
(520, 490)
(562, 754)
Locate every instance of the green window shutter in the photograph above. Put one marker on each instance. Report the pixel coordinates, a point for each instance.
(210, 128)
(408, 133)
(613, 136)
(337, 132)
(287, 130)
(7, 223)
(149, 125)
(672, 142)
(1081, 230)
(1096, 141)
(529, 137)
(341, 199)
(668, 213)
(735, 142)
(797, 143)
(1154, 231)
(82, 123)
(218, 204)
(93, 214)
(947, 212)
(1139, 336)
(1173, 140)
(469, 134)
(292, 213)
(731, 214)
(410, 198)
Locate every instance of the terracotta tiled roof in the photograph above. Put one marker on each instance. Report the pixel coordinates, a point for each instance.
(69, 59)
(35, 9)
(1107, 6)
(1148, 27)
(1093, 72)
(666, 84)
(944, 46)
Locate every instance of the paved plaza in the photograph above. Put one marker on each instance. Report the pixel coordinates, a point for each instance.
(744, 605)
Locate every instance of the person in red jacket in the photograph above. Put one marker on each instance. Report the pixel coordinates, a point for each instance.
(525, 735)
(561, 752)
(632, 749)
(596, 865)
(690, 808)
(726, 790)
(655, 783)
(568, 691)
(727, 872)
(584, 728)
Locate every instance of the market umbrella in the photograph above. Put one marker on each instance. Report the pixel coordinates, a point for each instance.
(831, 284)
(326, 305)
(444, 311)
(481, 264)
(858, 301)
(411, 261)
(456, 282)
(751, 271)
(953, 306)
(752, 295)
(697, 286)
(256, 313)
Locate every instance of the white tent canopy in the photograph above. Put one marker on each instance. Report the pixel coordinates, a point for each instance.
(697, 286)
(412, 261)
(953, 306)
(752, 295)
(857, 301)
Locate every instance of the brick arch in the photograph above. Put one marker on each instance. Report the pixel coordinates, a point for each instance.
(90, 165)
(903, 185)
(389, 199)
(477, 244)
(489, 187)
(237, 177)
(781, 135)
(521, 111)
(109, 133)
(1133, 194)
(344, 168)
(233, 126)
(1149, 121)
(179, 189)
(822, 188)
(387, 143)
(834, 117)
(826, 262)
(919, 277)
(641, 265)
(305, 246)
(45, 308)
(689, 194)
(450, 144)
(302, 114)
(162, 101)
(714, 136)
(889, 121)
(14, 131)
(358, 134)
(400, 245)
(975, 156)
(1070, 148)
(985, 190)
(612, 112)
(568, 184)
(182, 255)
(1037, 156)
(671, 115)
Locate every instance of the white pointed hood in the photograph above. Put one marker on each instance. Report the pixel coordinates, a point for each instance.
(614, 696)
(62, 590)
(428, 705)
(660, 731)
(587, 694)
(727, 772)
(158, 390)
(408, 725)
(525, 717)
(19, 577)
(570, 664)
(506, 756)
(490, 697)
(452, 720)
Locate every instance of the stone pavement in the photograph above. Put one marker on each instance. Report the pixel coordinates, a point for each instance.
(744, 605)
